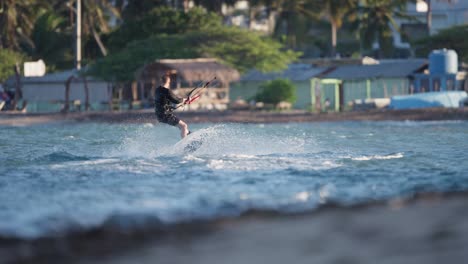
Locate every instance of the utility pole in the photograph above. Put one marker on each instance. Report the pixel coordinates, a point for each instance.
(78, 34)
(429, 17)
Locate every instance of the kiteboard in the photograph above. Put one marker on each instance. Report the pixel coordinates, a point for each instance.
(192, 142)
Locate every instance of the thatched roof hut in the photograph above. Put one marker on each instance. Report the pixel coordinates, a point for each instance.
(189, 71)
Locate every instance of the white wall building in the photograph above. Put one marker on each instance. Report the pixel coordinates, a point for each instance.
(47, 93)
(445, 13)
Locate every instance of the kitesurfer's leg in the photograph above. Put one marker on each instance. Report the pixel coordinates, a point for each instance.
(183, 128)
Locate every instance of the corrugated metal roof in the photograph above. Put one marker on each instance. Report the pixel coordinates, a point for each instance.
(392, 68)
(56, 77)
(294, 72)
(51, 77)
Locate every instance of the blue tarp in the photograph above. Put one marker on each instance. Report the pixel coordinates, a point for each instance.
(449, 99)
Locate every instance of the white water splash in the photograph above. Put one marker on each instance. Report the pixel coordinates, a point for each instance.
(379, 157)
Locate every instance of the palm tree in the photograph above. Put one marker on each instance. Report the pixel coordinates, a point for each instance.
(16, 22)
(376, 19)
(214, 5)
(133, 9)
(334, 12)
(96, 17)
(271, 7)
(51, 41)
(288, 12)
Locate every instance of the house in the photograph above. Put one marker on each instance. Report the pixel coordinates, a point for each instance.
(441, 84)
(444, 14)
(442, 74)
(345, 87)
(48, 93)
(186, 75)
(299, 74)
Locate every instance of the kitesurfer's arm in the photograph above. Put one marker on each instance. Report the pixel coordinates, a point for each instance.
(174, 98)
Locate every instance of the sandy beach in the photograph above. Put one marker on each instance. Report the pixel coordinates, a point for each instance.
(426, 228)
(147, 116)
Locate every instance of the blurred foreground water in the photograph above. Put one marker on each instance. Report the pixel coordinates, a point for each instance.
(68, 176)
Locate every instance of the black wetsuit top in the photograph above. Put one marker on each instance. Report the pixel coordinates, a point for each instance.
(164, 98)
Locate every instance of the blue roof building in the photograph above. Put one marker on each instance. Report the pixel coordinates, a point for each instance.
(344, 86)
(299, 74)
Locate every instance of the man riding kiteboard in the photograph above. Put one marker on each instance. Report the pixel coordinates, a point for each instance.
(164, 98)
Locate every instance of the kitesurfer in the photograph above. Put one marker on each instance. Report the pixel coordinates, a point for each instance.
(164, 100)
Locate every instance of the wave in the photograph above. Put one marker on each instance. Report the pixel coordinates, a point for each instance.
(379, 157)
(412, 123)
(60, 156)
(129, 224)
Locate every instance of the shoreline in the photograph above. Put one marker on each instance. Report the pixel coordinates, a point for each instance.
(147, 116)
(423, 228)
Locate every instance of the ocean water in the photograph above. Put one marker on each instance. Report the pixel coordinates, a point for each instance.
(74, 176)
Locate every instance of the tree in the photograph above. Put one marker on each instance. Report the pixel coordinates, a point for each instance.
(288, 17)
(51, 41)
(289, 11)
(16, 22)
(239, 48)
(214, 5)
(271, 7)
(376, 19)
(162, 20)
(273, 92)
(450, 38)
(134, 9)
(244, 50)
(95, 20)
(8, 60)
(121, 66)
(334, 12)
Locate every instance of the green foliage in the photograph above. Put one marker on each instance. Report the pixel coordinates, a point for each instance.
(51, 42)
(275, 91)
(135, 9)
(374, 21)
(16, 20)
(241, 49)
(451, 38)
(291, 17)
(8, 60)
(163, 20)
(244, 50)
(214, 5)
(122, 66)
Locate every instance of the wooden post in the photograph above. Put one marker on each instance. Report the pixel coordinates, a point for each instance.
(18, 90)
(66, 107)
(141, 90)
(110, 94)
(134, 89)
(86, 89)
(368, 89)
(153, 88)
(120, 88)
